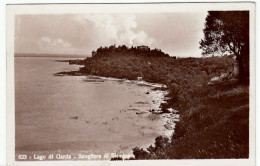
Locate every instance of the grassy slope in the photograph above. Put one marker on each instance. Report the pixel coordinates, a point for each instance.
(214, 118)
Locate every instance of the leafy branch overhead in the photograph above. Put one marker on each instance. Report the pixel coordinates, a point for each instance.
(227, 32)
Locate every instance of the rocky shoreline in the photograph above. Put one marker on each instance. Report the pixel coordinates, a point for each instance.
(158, 93)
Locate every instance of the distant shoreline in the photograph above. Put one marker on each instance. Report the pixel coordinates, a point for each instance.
(50, 55)
(47, 57)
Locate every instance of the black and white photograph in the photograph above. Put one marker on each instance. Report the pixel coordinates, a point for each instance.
(124, 82)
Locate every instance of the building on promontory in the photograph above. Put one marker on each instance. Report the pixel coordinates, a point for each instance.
(143, 48)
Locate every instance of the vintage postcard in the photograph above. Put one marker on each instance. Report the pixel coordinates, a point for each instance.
(134, 84)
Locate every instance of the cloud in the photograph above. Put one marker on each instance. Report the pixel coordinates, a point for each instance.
(53, 45)
(57, 43)
(177, 34)
(116, 29)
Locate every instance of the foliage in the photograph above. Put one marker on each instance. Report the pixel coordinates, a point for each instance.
(214, 117)
(228, 32)
(123, 50)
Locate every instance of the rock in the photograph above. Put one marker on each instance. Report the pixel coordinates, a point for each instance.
(220, 78)
(139, 78)
(141, 112)
(169, 127)
(171, 110)
(74, 117)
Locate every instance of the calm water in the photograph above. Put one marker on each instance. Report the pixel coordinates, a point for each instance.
(69, 115)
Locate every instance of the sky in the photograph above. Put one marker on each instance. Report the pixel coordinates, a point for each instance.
(175, 33)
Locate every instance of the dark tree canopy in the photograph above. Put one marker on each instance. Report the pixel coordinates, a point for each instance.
(228, 32)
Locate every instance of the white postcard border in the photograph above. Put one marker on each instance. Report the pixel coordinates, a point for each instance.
(12, 10)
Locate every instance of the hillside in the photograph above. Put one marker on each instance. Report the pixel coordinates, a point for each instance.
(214, 112)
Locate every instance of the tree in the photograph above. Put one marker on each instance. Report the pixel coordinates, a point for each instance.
(228, 31)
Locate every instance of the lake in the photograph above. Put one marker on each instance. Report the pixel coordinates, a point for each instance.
(76, 114)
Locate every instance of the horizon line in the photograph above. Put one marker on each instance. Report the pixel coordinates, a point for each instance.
(18, 54)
